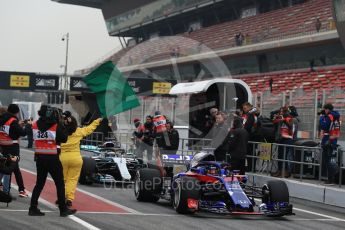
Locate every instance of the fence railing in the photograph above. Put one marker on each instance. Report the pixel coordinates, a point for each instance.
(267, 160)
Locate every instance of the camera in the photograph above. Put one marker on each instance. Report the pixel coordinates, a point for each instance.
(55, 114)
(322, 112)
(274, 114)
(5, 159)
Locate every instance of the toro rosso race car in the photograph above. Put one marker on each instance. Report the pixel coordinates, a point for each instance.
(211, 186)
(109, 164)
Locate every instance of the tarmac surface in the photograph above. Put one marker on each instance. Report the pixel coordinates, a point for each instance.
(106, 207)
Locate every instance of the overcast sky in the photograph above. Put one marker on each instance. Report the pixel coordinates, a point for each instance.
(31, 32)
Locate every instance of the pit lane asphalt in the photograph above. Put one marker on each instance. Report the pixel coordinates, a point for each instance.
(309, 215)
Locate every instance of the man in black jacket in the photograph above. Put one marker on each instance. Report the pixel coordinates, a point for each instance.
(219, 132)
(237, 145)
(147, 138)
(28, 130)
(10, 131)
(174, 139)
(48, 133)
(250, 123)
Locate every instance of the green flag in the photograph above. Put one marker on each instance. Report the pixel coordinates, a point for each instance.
(114, 94)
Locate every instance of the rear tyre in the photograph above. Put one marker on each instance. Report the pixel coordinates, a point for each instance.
(147, 185)
(185, 188)
(275, 191)
(87, 171)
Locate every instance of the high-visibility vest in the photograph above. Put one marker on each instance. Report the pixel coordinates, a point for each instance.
(285, 130)
(5, 138)
(334, 129)
(45, 141)
(160, 123)
(245, 118)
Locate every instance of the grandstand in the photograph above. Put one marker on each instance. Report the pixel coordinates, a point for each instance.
(293, 21)
(279, 40)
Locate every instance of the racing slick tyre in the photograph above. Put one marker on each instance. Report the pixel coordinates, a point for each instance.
(147, 185)
(184, 189)
(87, 171)
(275, 191)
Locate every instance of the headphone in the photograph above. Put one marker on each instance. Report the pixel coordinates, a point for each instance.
(46, 112)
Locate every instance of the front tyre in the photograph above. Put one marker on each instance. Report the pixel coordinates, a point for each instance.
(186, 190)
(147, 185)
(275, 191)
(88, 171)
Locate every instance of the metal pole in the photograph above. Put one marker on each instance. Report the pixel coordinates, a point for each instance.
(290, 98)
(284, 99)
(224, 97)
(65, 75)
(284, 157)
(261, 101)
(315, 115)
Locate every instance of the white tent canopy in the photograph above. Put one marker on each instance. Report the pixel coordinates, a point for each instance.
(202, 86)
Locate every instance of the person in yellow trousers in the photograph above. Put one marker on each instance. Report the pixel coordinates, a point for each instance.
(70, 156)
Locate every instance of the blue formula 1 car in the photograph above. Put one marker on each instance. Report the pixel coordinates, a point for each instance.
(211, 186)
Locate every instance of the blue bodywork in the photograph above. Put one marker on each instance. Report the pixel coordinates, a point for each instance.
(225, 191)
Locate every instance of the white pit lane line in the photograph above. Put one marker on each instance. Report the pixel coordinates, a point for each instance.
(83, 223)
(50, 205)
(329, 218)
(319, 214)
(80, 221)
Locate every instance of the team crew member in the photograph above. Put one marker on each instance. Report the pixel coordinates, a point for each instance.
(219, 132)
(286, 132)
(330, 132)
(250, 120)
(137, 137)
(10, 131)
(70, 156)
(174, 139)
(48, 134)
(162, 137)
(237, 140)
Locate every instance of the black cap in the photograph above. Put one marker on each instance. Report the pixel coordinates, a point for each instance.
(13, 108)
(328, 106)
(43, 110)
(67, 114)
(237, 123)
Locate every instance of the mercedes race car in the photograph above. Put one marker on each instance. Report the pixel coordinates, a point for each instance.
(211, 186)
(109, 164)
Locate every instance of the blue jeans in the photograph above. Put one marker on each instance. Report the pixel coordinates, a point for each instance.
(6, 183)
(289, 155)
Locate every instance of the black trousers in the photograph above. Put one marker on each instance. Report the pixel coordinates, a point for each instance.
(19, 177)
(49, 164)
(30, 141)
(329, 162)
(220, 154)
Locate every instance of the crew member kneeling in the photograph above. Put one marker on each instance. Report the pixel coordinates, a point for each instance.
(7, 166)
